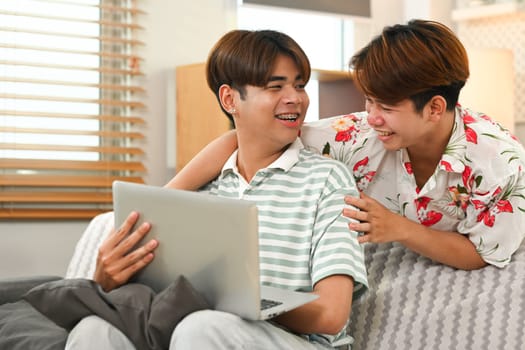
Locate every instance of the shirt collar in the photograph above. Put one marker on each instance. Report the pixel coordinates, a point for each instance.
(285, 162)
(454, 155)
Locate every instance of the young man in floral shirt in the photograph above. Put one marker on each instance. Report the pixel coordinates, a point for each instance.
(442, 180)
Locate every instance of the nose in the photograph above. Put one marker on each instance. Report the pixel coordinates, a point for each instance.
(293, 96)
(374, 117)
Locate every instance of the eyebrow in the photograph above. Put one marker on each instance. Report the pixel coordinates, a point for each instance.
(279, 78)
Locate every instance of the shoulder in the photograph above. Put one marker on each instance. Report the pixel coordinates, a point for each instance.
(491, 152)
(488, 142)
(310, 158)
(478, 124)
(320, 168)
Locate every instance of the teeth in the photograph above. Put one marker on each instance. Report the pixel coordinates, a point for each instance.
(287, 116)
(384, 133)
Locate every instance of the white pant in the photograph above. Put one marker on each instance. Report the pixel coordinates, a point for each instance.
(205, 329)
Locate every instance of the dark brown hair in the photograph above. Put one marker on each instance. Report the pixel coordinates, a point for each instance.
(244, 57)
(417, 61)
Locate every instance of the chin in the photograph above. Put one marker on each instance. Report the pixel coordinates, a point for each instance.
(392, 147)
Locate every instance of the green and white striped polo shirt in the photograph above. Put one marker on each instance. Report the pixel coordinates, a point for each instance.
(303, 236)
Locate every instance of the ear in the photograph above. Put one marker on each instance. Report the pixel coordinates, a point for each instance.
(438, 107)
(227, 97)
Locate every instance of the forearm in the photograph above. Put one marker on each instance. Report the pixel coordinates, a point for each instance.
(380, 225)
(206, 165)
(449, 248)
(327, 314)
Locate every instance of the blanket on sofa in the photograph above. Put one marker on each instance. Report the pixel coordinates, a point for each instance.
(22, 327)
(146, 318)
(414, 303)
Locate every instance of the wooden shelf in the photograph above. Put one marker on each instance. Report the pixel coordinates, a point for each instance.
(324, 75)
(489, 10)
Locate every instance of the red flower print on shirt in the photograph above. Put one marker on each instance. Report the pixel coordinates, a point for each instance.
(446, 165)
(504, 206)
(346, 131)
(432, 218)
(426, 217)
(361, 174)
(344, 127)
(486, 117)
(470, 133)
(408, 167)
(469, 179)
(344, 136)
(460, 198)
(487, 218)
(488, 213)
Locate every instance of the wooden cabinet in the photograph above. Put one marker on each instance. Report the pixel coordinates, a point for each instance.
(199, 119)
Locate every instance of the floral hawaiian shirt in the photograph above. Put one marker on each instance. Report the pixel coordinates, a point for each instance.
(478, 188)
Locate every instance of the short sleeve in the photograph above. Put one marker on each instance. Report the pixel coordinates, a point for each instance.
(496, 220)
(336, 249)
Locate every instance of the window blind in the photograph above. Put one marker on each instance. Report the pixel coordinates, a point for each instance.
(70, 106)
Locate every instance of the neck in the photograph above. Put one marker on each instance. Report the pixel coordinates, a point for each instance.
(252, 157)
(425, 156)
(434, 143)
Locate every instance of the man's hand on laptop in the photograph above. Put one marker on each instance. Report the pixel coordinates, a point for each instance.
(117, 262)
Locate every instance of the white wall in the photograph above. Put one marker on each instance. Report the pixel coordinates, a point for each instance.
(178, 32)
(389, 12)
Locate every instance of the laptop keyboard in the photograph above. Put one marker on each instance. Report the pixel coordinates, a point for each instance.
(266, 303)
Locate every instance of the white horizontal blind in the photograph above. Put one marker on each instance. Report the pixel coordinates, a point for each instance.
(70, 105)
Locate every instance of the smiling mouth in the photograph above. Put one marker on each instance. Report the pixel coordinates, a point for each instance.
(384, 133)
(288, 117)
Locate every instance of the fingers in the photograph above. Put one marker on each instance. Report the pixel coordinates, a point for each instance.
(131, 240)
(120, 241)
(363, 227)
(140, 257)
(362, 202)
(111, 274)
(136, 264)
(360, 218)
(120, 257)
(364, 239)
(357, 215)
(118, 235)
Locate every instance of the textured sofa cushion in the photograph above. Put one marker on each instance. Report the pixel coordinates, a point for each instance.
(84, 259)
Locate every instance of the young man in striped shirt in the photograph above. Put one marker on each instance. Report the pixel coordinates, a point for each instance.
(259, 79)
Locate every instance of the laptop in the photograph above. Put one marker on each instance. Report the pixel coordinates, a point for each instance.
(212, 241)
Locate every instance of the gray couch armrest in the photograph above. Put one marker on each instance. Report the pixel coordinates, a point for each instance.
(11, 289)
